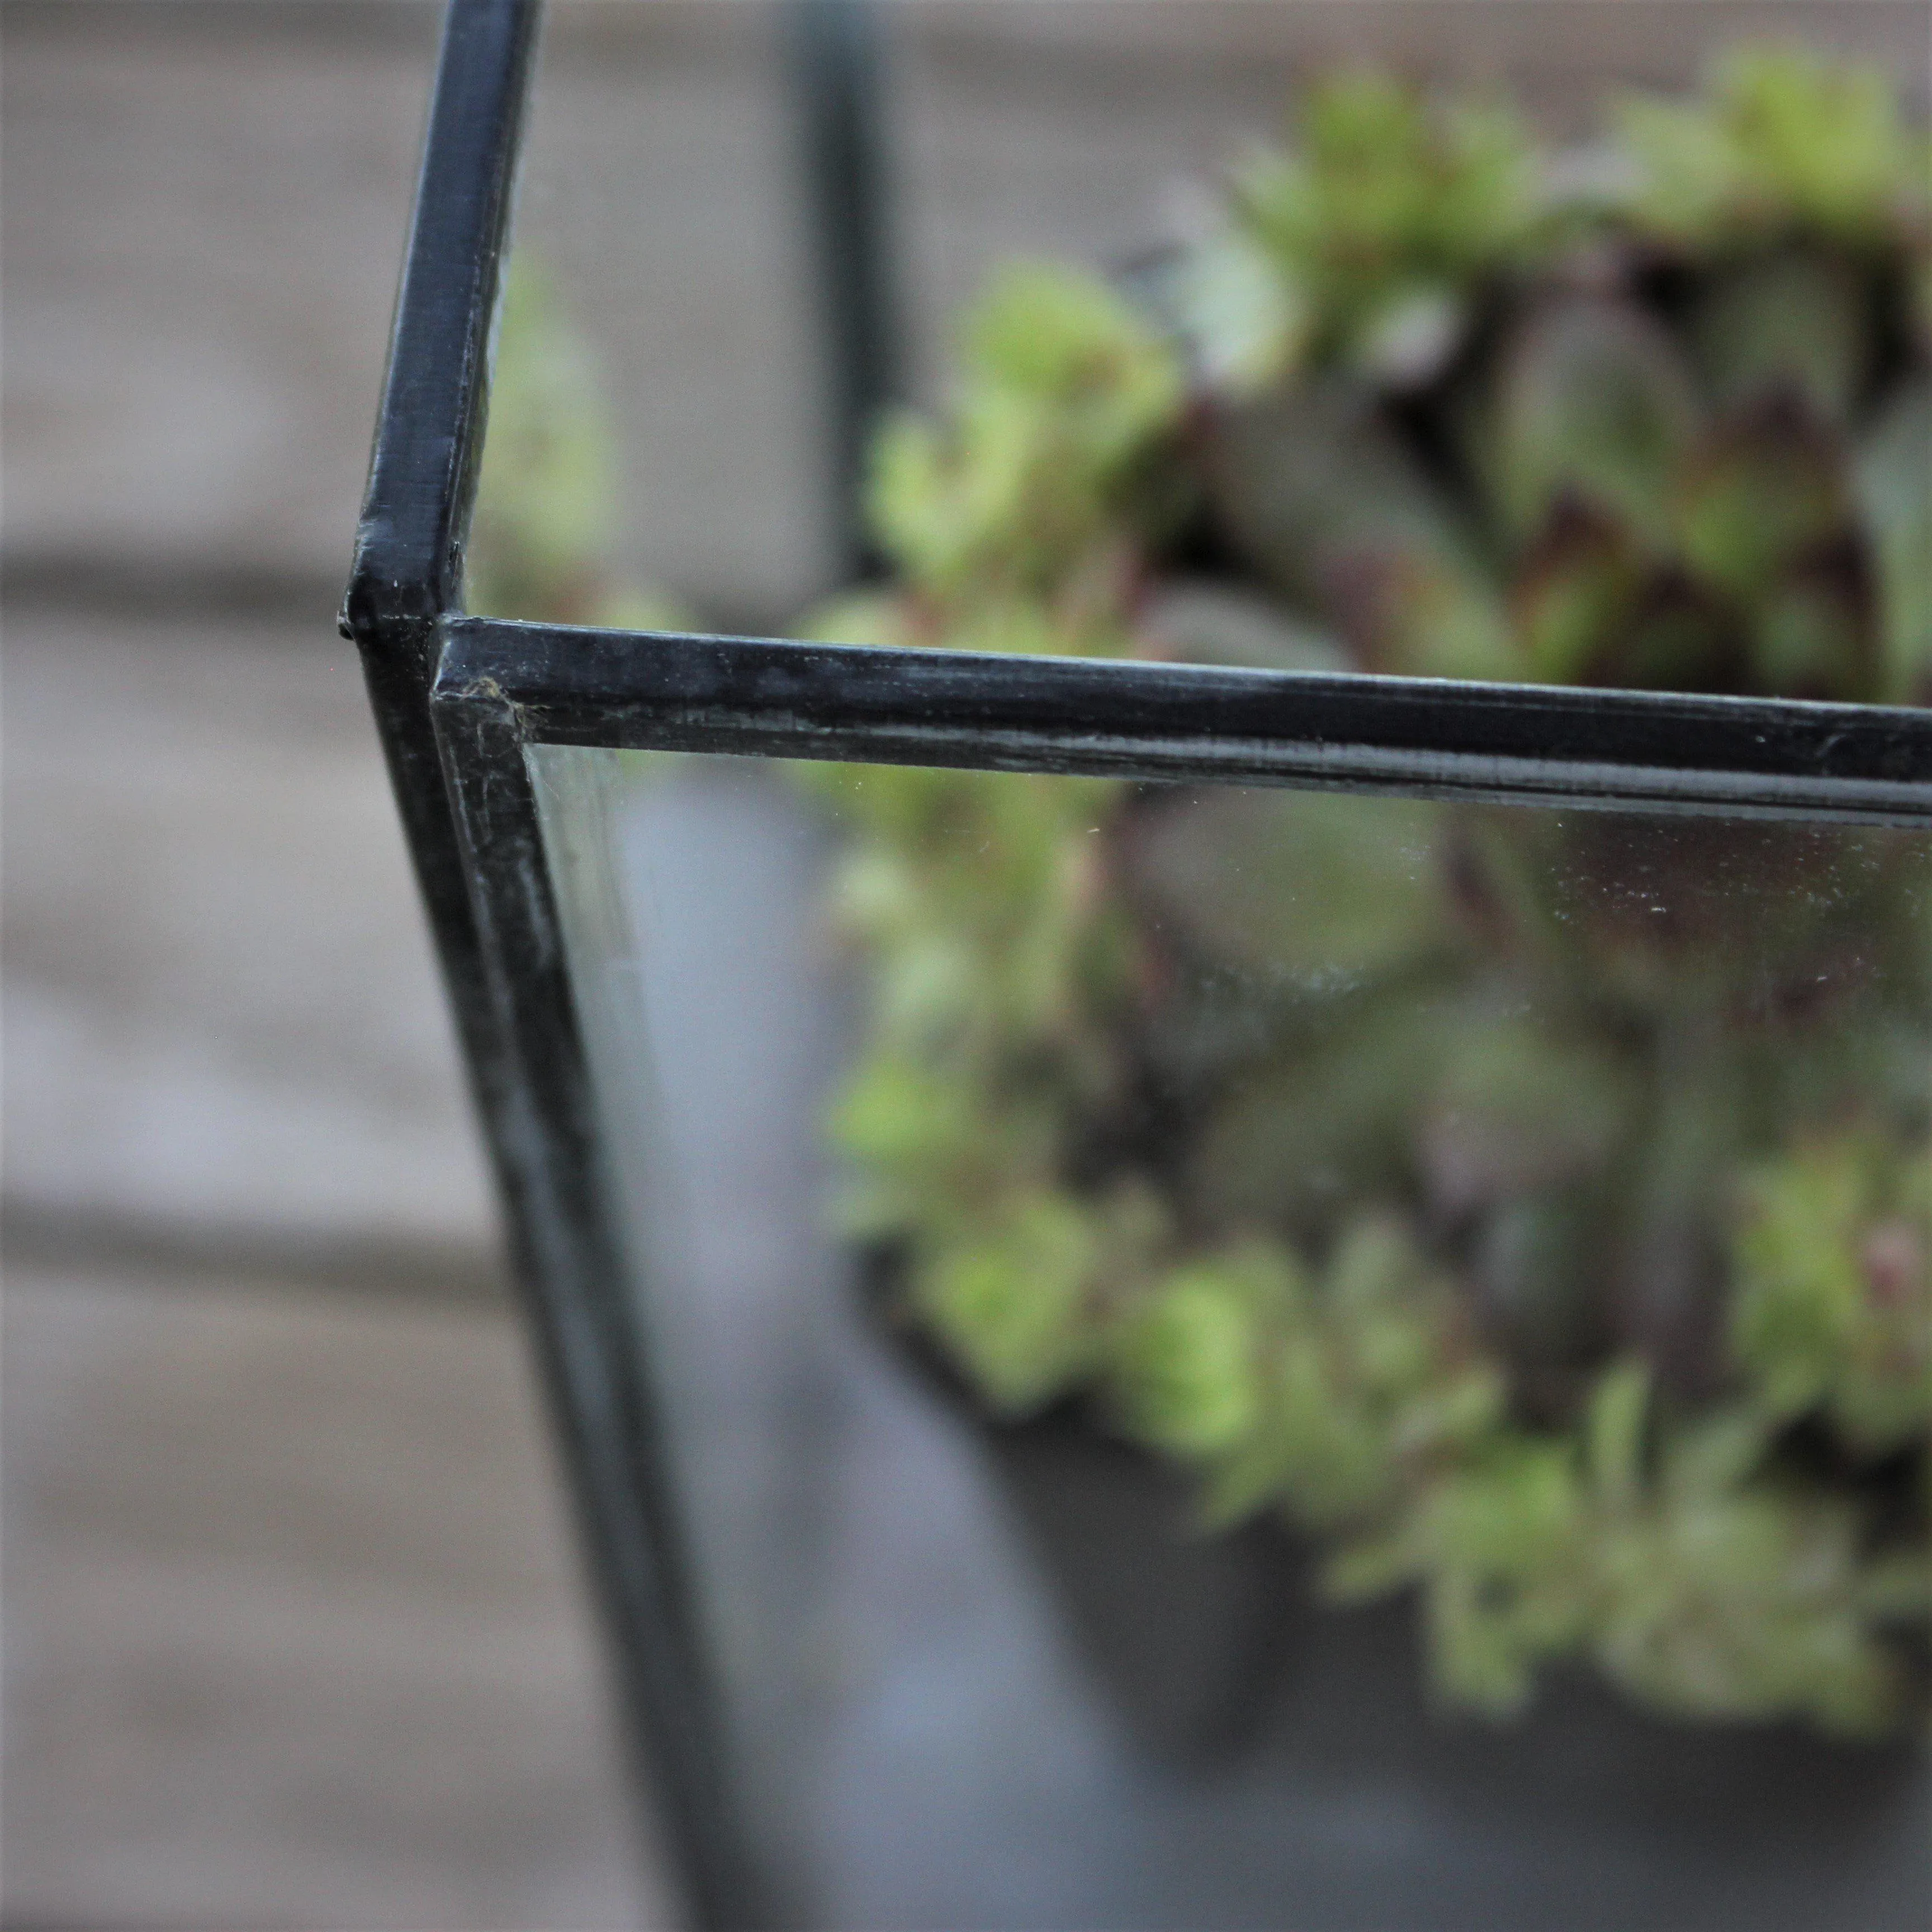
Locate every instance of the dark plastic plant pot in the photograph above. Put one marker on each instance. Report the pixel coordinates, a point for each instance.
(1185, 1631)
(1219, 1665)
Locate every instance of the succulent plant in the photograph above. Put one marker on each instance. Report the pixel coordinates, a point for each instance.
(1533, 1206)
(543, 541)
(1832, 1310)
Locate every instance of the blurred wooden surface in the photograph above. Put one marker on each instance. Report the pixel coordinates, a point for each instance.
(206, 201)
(293, 1630)
(293, 1633)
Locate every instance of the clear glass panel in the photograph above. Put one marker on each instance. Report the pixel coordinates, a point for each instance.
(668, 297)
(1085, 1230)
(654, 438)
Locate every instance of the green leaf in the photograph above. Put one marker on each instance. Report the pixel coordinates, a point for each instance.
(1245, 319)
(1387, 210)
(1199, 621)
(1831, 1306)
(1065, 391)
(1300, 1139)
(1594, 402)
(1813, 636)
(1576, 593)
(1519, 1106)
(1798, 323)
(1317, 890)
(1500, 1545)
(1319, 492)
(1716, 1453)
(1786, 141)
(922, 1139)
(1010, 1299)
(1188, 1372)
(1405, 341)
(876, 617)
(1893, 481)
(543, 542)
(1678, 635)
(1896, 1587)
(1360, 1572)
(1615, 1431)
(1741, 1604)
(1759, 493)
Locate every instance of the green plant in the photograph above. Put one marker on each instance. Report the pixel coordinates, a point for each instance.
(1533, 1206)
(543, 543)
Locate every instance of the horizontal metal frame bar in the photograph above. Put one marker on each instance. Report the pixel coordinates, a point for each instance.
(1632, 750)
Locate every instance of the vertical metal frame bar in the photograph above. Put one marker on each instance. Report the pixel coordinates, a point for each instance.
(836, 57)
(407, 572)
(471, 820)
(573, 1271)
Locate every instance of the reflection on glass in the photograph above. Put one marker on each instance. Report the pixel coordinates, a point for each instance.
(1094, 1233)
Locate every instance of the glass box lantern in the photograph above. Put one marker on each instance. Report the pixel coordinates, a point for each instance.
(893, 1657)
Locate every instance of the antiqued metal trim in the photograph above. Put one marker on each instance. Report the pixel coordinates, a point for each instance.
(473, 837)
(1629, 751)
(587, 1319)
(429, 435)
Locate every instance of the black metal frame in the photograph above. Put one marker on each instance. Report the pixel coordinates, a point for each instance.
(458, 700)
